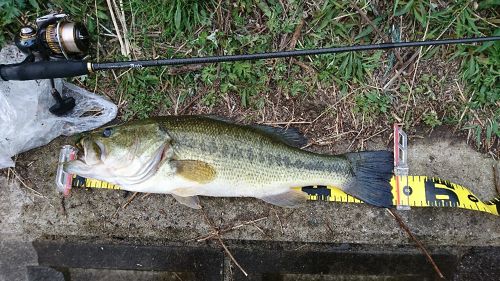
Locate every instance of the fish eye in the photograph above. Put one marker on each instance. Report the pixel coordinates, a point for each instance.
(107, 132)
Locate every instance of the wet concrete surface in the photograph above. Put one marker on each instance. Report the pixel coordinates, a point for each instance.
(127, 275)
(157, 220)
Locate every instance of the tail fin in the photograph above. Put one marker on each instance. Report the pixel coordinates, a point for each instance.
(372, 175)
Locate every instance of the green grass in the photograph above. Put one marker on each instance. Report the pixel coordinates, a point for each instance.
(352, 81)
(10, 12)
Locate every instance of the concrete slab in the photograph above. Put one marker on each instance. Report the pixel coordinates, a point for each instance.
(92, 214)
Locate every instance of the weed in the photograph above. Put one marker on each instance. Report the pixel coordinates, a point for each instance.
(372, 103)
(431, 119)
(9, 11)
(351, 81)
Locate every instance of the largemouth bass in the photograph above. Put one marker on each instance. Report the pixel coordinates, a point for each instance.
(187, 156)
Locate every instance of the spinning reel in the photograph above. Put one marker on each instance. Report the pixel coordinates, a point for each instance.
(54, 38)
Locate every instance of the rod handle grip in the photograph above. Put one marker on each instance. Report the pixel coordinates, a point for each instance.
(43, 70)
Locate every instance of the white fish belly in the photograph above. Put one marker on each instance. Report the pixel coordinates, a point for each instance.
(217, 188)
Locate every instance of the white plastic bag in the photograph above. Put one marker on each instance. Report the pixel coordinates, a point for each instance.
(25, 120)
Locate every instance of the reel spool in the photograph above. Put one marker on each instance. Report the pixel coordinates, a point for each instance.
(54, 37)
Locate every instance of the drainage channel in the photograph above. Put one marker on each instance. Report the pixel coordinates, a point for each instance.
(270, 261)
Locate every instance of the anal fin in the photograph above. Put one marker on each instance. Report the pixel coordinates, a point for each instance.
(190, 201)
(290, 199)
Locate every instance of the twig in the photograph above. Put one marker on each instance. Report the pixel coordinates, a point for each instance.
(463, 97)
(177, 276)
(125, 205)
(329, 227)
(110, 33)
(279, 220)
(495, 178)
(231, 256)
(375, 134)
(121, 14)
(466, 106)
(98, 44)
(227, 229)
(331, 107)
(261, 230)
(484, 20)
(130, 200)
(222, 242)
(398, 72)
(410, 92)
(360, 131)
(386, 39)
(37, 193)
(419, 244)
(123, 73)
(115, 24)
(132, 28)
(293, 43)
(197, 97)
(304, 66)
(63, 207)
(8, 174)
(296, 34)
(286, 123)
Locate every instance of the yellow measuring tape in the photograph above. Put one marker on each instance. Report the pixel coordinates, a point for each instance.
(407, 191)
(416, 191)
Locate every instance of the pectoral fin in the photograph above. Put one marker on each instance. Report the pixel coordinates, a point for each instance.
(194, 170)
(190, 201)
(290, 199)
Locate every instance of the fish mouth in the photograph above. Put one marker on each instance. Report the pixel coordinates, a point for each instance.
(90, 152)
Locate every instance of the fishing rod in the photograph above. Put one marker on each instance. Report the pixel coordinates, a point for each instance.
(72, 68)
(57, 46)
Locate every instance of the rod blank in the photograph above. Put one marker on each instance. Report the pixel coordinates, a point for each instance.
(294, 53)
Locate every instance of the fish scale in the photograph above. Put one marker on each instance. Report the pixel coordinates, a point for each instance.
(255, 159)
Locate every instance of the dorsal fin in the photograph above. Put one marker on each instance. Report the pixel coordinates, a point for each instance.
(290, 135)
(219, 118)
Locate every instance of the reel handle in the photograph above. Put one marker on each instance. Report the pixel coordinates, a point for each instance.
(43, 70)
